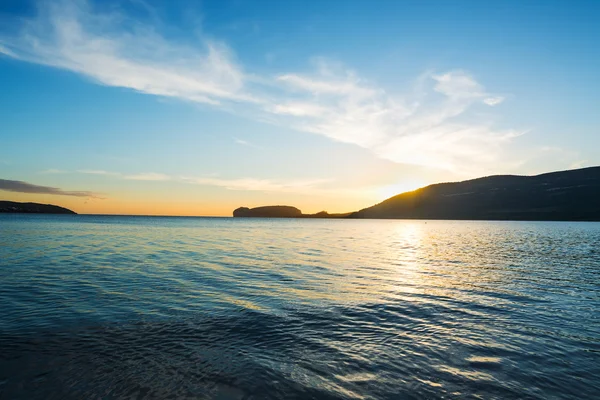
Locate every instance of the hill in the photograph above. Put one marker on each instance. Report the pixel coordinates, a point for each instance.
(32, 208)
(566, 195)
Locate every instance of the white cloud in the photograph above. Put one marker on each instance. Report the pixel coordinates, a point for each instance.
(430, 126)
(97, 172)
(298, 109)
(432, 129)
(145, 176)
(336, 86)
(118, 51)
(53, 171)
(148, 176)
(493, 101)
(242, 142)
(458, 85)
(7, 52)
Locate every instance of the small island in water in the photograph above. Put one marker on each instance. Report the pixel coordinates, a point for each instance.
(572, 195)
(281, 212)
(32, 208)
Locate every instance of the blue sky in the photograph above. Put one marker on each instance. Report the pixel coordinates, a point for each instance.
(195, 108)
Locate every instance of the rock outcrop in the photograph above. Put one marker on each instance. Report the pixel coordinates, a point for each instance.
(268, 212)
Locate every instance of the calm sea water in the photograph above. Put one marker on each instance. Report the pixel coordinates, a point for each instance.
(151, 307)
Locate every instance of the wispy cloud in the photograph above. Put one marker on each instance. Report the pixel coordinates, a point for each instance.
(53, 171)
(149, 176)
(243, 142)
(298, 109)
(24, 187)
(7, 52)
(144, 176)
(118, 51)
(433, 126)
(97, 172)
(433, 129)
(493, 101)
(324, 187)
(264, 185)
(252, 184)
(311, 187)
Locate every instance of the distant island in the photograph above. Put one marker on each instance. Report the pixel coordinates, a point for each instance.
(280, 212)
(572, 195)
(32, 208)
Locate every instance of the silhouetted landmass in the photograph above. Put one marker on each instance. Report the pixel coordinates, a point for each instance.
(32, 208)
(268, 212)
(281, 212)
(557, 196)
(325, 214)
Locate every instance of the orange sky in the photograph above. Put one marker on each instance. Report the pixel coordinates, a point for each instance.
(144, 205)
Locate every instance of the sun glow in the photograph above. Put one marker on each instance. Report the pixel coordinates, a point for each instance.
(385, 192)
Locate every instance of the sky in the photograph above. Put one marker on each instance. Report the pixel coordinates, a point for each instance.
(200, 107)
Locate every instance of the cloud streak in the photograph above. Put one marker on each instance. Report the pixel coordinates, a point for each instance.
(246, 143)
(251, 184)
(144, 176)
(148, 176)
(298, 186)
(24, 187)
(254, 184)
(310, 187)
(97, 172)
(433, 125)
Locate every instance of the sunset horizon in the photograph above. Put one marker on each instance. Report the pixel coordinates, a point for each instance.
(24, 192)
(299, 199)
(198, 108)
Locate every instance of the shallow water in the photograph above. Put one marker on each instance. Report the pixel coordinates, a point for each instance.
(219, 308)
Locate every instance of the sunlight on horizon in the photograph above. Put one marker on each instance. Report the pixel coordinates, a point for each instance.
(388, 191)
(189, 118)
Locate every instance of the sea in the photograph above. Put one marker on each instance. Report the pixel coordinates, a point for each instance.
(129, 307)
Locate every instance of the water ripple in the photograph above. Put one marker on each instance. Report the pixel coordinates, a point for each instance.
(153, 308)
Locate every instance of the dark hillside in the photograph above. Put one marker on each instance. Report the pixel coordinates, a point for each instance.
(566, 195)
(32, 208)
